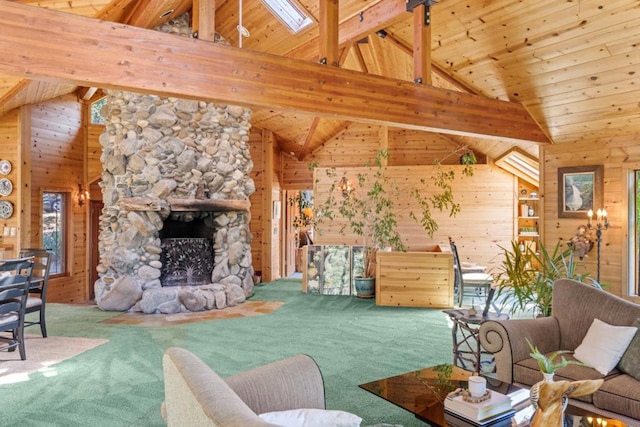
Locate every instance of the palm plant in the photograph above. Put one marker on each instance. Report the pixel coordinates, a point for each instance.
(547, 363)
(527, 276)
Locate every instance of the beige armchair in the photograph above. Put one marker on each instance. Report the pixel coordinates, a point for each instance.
(196, 396)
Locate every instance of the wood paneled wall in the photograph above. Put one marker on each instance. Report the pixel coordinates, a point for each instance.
(10, 134)
(620, 157)
(257, 198)
(485, 223)
(56, 163)
(410, 148)
(358, 144)
(94, 151)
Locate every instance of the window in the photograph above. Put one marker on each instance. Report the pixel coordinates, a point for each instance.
(54, 221)
(96, 117)
(634, 233)
(289, 13)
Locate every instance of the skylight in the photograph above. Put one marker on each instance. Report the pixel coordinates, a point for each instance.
(289, 13)
(521, 165)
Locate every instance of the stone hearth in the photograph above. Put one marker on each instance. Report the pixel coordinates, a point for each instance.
(186, 161)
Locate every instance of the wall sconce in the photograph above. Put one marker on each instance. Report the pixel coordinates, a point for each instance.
(345, 187)
(602, 223)
(83, 195)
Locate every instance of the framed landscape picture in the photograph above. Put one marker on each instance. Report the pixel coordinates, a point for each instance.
(579, 189)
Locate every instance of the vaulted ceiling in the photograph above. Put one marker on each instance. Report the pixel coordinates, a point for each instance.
(571, 64)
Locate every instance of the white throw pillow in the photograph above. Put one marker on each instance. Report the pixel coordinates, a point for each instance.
(312, 418)
(604, 345)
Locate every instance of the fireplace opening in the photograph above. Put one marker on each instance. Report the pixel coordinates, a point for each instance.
(187, 253)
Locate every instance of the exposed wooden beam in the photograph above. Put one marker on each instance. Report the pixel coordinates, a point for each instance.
(86, 93)
(149, 61)
(421, 45)
(337, 132)
(204, 19)
(436, 68)
(22, 84)
(360, 58)
(329, 32)
(376, 16)
(307, 143)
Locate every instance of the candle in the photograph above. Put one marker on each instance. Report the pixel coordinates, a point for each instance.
(590, 215)
(477, 386)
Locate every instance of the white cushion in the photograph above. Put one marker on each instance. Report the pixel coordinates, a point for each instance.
(474, 278)
(604, 345)
(312, 418)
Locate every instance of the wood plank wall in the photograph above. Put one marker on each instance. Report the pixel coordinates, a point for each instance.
(257, 204)
(10, 131)
(57, 164)
(359, 143)
(485, 223)
(94, 151)
(620, 157)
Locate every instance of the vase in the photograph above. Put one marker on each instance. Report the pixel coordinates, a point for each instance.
(365, 287)
(547, 377)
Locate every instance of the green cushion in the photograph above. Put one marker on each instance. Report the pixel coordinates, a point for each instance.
(630, 362)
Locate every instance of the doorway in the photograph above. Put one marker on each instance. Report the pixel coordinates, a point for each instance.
(298, 228)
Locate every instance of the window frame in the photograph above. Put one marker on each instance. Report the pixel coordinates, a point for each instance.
(66, 224)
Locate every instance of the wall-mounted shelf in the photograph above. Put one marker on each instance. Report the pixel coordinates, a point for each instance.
(528, 215)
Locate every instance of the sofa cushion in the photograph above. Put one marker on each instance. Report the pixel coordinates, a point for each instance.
(621, 395)
(312, 418)
(630, 362)
(604, 345)
(527, 372)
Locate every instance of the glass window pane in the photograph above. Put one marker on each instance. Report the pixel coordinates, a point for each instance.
(53, 222)
(636, 219)
(96, 107)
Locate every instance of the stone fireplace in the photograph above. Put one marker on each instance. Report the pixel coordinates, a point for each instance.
(175, 224)
(181, 165)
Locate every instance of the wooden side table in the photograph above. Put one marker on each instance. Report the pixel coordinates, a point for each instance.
(467, 351)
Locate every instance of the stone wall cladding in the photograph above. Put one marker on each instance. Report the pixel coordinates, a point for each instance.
(158, 148)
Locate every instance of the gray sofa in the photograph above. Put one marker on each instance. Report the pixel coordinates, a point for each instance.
(196, 396)
(575, 305)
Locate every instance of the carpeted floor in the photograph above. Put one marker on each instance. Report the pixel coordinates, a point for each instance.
(119, 383)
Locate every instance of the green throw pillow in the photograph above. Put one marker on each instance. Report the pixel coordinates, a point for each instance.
(630, 362)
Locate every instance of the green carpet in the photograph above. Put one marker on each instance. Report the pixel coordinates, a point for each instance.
(120, 382)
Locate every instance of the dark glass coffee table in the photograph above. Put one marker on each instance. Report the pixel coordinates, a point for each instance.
(423, 392)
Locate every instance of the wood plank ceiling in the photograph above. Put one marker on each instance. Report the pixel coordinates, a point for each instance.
(572, 64)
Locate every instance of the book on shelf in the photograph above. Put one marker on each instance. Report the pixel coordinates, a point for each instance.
(496, 404)
(501, 420)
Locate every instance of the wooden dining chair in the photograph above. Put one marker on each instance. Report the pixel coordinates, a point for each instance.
(476, 280)
(15, 276)
(36, 301)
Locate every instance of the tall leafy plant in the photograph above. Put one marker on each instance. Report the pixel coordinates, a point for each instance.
(370, 210)
(527, 276)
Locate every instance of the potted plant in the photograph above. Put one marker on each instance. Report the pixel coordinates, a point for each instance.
(547, 363)
(527, 276)
(369, 211)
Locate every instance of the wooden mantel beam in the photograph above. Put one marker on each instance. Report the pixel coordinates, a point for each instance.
(37, 43)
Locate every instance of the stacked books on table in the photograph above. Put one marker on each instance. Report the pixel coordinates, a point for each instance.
(496, 411)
